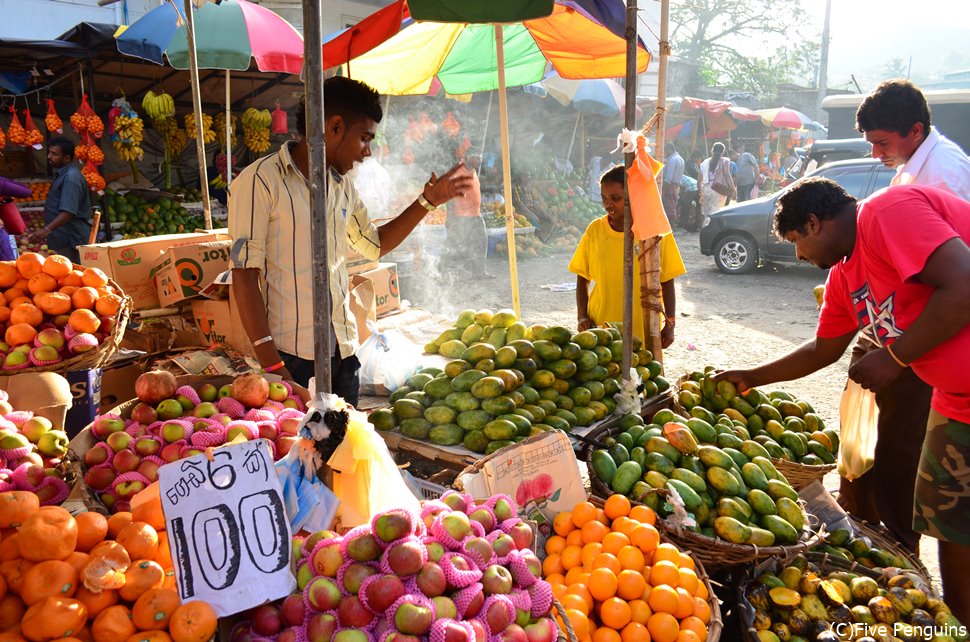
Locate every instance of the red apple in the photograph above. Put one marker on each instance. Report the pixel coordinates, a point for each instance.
(352, 614)
(383, 592)
(101, 478)
(266, 620)
(125, 461)
(323, 594)
(320, 627)
(148, 469)
(144, 414)
(107, 425)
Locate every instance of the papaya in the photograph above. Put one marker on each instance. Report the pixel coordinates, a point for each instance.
(523, 348)
(753, 476)
(586, 340)
(728, 507)
(778, 489)
(627, 474)
(680, 438)
(446, 435)
(791, 512)
(737, 456)
(703, 430)
(752, 449)
(658, 462)
(712, 456)
(785, 533)
(655, 479)
(452, 349)
(691, 499)
(465, 318)
(440, 415)
(501, 405)
(472, 334)
(408, 408)
(722, 481)
(732, 530)
(475, 441)
(559, 335)
(494, 446)
(729, 440)
(415, 428)
(662, 446)
(516, 332)
(761, 537)
(761, 502)
(695, 481)
(488, 387)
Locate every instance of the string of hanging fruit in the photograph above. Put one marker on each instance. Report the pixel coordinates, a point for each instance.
(160, 108)
(255, 124)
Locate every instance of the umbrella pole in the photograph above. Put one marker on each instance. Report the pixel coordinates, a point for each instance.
(197, 110)
(228, 135)
(572, 139)
(503, 111)
(631, 114)
(313, 63)
(488, 115)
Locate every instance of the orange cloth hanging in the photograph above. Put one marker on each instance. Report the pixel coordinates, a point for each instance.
(646, 206)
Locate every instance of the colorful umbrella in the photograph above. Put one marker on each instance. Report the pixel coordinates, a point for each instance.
(784, 118)
(603, 96)
(228, 35)
(574, 39)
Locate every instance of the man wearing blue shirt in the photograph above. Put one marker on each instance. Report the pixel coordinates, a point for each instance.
(673, 173)
(67, 211)
(747, 174)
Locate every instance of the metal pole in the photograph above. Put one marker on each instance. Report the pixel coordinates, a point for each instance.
(631, 115)
(197, 110)
(823, 61)
(228, 134)
(313, 74)
(503, 112)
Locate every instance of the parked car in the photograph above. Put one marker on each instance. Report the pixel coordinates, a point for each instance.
(826, 151)
(741, 237)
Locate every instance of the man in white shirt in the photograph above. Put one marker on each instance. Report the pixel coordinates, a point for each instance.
(895, 119)
(673, 173)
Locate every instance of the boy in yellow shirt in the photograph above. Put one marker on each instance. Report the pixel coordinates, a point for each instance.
(598, 266)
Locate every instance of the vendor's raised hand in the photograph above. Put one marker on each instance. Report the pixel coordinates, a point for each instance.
(456, 182)
(875, 370)
(585, 323)
(742, 379)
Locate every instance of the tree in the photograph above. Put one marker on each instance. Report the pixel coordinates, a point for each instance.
(896, 68)
(712, 33)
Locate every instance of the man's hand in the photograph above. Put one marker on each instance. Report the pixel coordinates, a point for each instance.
(456, 182)
(585, 323)
(742, 379)
(39, 235)
(875, 370)
(667, 336)
(284, 373)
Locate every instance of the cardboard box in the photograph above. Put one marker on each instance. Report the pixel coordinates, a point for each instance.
(181, 272)
(45, 393)
(363, 305)
(356, 263)
(219, 322)
(387, 294)
(130, 262)
(86, 399)
(118, 385)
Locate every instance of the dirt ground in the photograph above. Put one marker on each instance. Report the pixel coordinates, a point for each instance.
(724, 320)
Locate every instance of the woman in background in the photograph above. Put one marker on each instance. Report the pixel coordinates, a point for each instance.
(716, 169)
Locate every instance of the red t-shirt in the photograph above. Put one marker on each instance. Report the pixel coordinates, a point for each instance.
(875, 290)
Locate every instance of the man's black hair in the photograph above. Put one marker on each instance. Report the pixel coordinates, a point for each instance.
(669, 148)
(613, 175)
(820, 196)
(348, 98)
(895, 105)
(64, 143)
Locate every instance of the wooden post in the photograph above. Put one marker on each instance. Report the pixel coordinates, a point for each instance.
(228, 134)
(313, 74)
(503, 112)
(197, 110)
(630, 118)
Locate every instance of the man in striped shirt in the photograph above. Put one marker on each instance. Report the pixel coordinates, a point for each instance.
(269, 222)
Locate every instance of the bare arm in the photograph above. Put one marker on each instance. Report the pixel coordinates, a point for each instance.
(252, 313)
(803, 361)
(670, 312)
(582, 304)
(437, 191)
(42, 233)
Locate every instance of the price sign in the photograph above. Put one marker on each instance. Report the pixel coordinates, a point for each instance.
(227, 527)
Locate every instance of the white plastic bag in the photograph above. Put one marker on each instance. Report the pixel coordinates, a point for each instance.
(387, 359)
(859, 416)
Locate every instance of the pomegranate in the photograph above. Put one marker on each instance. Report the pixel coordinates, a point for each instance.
(251, 390)
(155, 386)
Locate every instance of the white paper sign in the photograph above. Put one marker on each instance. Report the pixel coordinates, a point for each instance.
(227, 527)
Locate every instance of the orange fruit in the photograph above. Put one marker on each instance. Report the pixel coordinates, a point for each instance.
(8, 274)
(53, 303)
(702, 591)
(602, 584)
(12, 610)
(601, 517)
(4, 314)
(686, 635)
(615, 613)
(617, 506)
(84, 321)
(563, 523)
(193, 622)
(613, 542)
(54, 617)
(606, 634)
(29, 264)
(685, 604)
(113, 624)
(594, 531)
(552, 564)
(686, 561)
(69, 290)
(571, 557)
(117, 522)
(663, 599)
(664, 572)
(41, 283)
(645, 537)
(695, 624)
(92, 528)
(635, 632)
(582, 513)
(20, 300)
(688, 580)
(20, 334)
(605, 560)
(48, 534)
(26, 313)
(624, 525)
(575, 602)
(107, 305)
(575, 538)
(663, 627)
(558, 589)
(21, 284)
(632, 558)
(702, 610)
(580, 590)
(667, 552)
(73, 279)
(96, 601)
(141, 576)
(555, 544)
(590, 551)
(13, 293)
(579, 622)
(58, 266)
(643, 514)
(640, 611)
(556, 578)
(49, 578)
(85, 298)
(94, 277)
(630, 585)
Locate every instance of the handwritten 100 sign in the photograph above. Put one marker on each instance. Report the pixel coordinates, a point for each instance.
(228, 529)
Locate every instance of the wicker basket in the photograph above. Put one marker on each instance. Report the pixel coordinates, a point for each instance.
(569, 635)
(801, 475)
(105, 351)
(881, 538)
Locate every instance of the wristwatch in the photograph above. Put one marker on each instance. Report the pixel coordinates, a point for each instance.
(671, 321)
(425, 203)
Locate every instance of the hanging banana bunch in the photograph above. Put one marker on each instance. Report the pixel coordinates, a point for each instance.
(208, 136)
(255, 124)
(220, 127)
(126, 131)
(158, 106)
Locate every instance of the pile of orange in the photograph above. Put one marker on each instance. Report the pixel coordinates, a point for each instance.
(36, 289)
(38, 192)
(90, 578)
(618, 582)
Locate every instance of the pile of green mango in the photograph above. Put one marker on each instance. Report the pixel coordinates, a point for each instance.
(787, 427)
(801, 603)
(507, 381)
(735, 494)
(841, 543)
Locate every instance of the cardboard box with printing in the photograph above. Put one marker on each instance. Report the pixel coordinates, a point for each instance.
(130, 262)
(386, 291)
(181, 272)
(219, 322)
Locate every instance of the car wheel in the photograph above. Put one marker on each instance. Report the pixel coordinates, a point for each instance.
(736, 254)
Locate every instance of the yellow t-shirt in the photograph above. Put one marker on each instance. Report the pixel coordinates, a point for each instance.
(599, 260)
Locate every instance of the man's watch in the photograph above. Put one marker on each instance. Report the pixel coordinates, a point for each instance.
(425, 203)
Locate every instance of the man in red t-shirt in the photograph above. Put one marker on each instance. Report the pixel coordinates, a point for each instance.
(899, 273)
